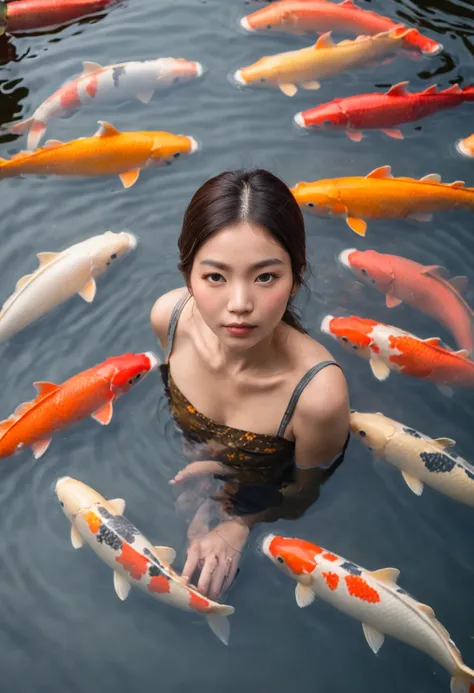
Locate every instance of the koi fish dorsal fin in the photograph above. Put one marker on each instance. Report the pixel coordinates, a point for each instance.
(387, 575)
(433, 89)
(45, 258)
(454, 89)
(52, 144)
(460, 283)
(89, 66)
(165, 553)
(106, 129)
(445, 442)
(22, 281)
(381, 172)
(349, 3)
(45, 388)
(22, 409)
(436, 270)
(398, 90)
(118, 505)
(20, 155)
(432, 341)
(431, 178)
(324, 41)
(461, 352)
(456, 184)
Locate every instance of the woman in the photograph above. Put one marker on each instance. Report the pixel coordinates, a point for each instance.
(242, 376)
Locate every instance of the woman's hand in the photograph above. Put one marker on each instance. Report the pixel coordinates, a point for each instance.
(217, 553)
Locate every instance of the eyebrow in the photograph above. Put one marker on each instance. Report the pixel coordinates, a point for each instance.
(256, 265)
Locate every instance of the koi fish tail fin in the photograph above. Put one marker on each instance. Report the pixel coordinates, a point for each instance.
(219, 623)
(35, 129)
(463, 682)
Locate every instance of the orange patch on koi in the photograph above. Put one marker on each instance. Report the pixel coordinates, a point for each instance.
(69, 97)
(359, 588)
(329, 556)
(160, 584)
(332, 580)
(91, 86)
(93, 521)
(197, 602)
(135, 564)
(409, 358)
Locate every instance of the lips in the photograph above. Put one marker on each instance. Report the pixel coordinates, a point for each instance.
(241, 325)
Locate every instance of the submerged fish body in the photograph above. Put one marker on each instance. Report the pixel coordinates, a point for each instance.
(387, 348)
(420, 459)
(381, 196)
(325, 59)
(28, 15)
(98, 84)
(426, 288)
(317, 16)
(371, 597)
(88, 393)
(134, 560)
(108, 152)
(60, 276)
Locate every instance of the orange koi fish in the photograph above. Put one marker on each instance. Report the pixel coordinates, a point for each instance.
(373, 597)
(305, 67)
(381, 196)
(466, 146)
(426, 288)
(89, 393)
(388, 348)
(108, 152)
(134, 560)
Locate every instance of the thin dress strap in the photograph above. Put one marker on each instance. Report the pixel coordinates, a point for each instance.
(307, 377)
(173, 323)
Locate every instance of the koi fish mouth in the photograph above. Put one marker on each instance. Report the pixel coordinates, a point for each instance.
(200, 70)
(266, 541)
(344, 256)
(154, 363)
(244, 23)
(194, 145)
(299, 120)
(132, 240)
(462, 149)
(435, 50)
(238, 79)
(326, 324)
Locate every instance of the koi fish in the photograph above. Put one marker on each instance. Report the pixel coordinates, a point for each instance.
(370, 596)
(134, 560)
(382, 111)
(89, 393)
(60, 276)
(466, 146)
(381, 196)
(315, 16)
(108, 152)
(28, 15)
(306, 66)
(421, 460)
(3, 17)
(426, 288)
(97, 85)
(388, 348)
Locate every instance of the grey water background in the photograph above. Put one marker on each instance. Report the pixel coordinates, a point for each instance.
(61, 624)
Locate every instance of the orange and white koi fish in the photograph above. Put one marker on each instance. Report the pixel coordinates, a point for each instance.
(306, 66)
(107, 153)
(373, 597)
(98, 84)
(60, 276)
(421, 460)
(134, 560)
(317, 16)
(381, 196)
(426, 288)
(466, 146)
(88, 393)
(388, 348)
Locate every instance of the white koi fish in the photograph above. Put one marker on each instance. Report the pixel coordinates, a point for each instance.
(421, 460)
(372, 597)
(134, 560)
(60, 276)
(99, 84)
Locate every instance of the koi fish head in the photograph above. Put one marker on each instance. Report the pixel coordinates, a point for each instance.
(108, 248)
(74, 496)
(320, 197)
(371, 267)
(295, 557)
(422, 43)
(373, 430)
(168, 147)
(262, 73)
(466, 146)
(353, 333)
(324, 117)
(128, 369)
(271, 18)
(176, 70)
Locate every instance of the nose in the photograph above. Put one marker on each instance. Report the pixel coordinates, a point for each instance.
(240, 300)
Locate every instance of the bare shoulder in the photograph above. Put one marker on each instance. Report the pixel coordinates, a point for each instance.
(161, 313)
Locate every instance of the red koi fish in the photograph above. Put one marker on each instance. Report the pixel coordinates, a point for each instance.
(89, 393)
(382, 111)
(390, 349)
(425, 288)
(28, 15)
(317, 16)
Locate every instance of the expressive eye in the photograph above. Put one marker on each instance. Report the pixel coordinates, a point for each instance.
(214, 277)
(344, 339)
(266, 277)
(362, 434)
(280, 559)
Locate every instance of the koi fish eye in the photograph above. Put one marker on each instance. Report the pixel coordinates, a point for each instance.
(134, 380)
(113, 256)
(310, 204)
(175, 80)
(362, 434)
(269, 26)
(364, 272)
(344, 339)
(262, 79)
(61, 504)
(280, 559)
(176, 155)
(355, 347)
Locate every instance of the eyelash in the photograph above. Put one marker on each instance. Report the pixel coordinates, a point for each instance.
(216, 274)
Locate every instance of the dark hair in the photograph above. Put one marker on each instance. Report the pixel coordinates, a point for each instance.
(255, 196)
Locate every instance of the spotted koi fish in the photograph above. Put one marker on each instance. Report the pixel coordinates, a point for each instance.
(88, 393)
(421, 460)
(134, 560)
(387, 348)
(98, 84)
(372, 597)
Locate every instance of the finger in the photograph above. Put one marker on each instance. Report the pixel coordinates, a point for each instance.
(197, 469)
(218, 577)
(210, 564)
(234, 567)
(191, 561)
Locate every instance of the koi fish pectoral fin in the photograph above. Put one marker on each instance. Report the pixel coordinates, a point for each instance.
(76, 540)
(121, 586)
(379, 369)
(359, 226)
(413, 484)
(104, 414)
(117, 505)
(393, 133)
(311, 85)
(446, 390)
(129, 178)
(40, 447)
(288, 89)
(354, 135)
(375, 638)
(145, 95)
(304, 595)
(420, 216)
(220, 626)
(392, 301)
(88, 291)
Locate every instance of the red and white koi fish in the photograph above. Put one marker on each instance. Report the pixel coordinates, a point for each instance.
(382, 111)
(98, 84)
(426, 288)
(89, 393)
(370, 596)
(28, 15)
(60, 276)
(134, 560)
(388, 348)
(317, 16)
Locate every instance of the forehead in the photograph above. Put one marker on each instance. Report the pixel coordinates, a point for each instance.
(242, 244)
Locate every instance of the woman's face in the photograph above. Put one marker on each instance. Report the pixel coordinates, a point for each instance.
(241, 281)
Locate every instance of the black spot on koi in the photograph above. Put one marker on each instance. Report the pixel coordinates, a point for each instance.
(120, 525)
(412, 432)
(437, 462)
(116, 72)
(351, 568)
